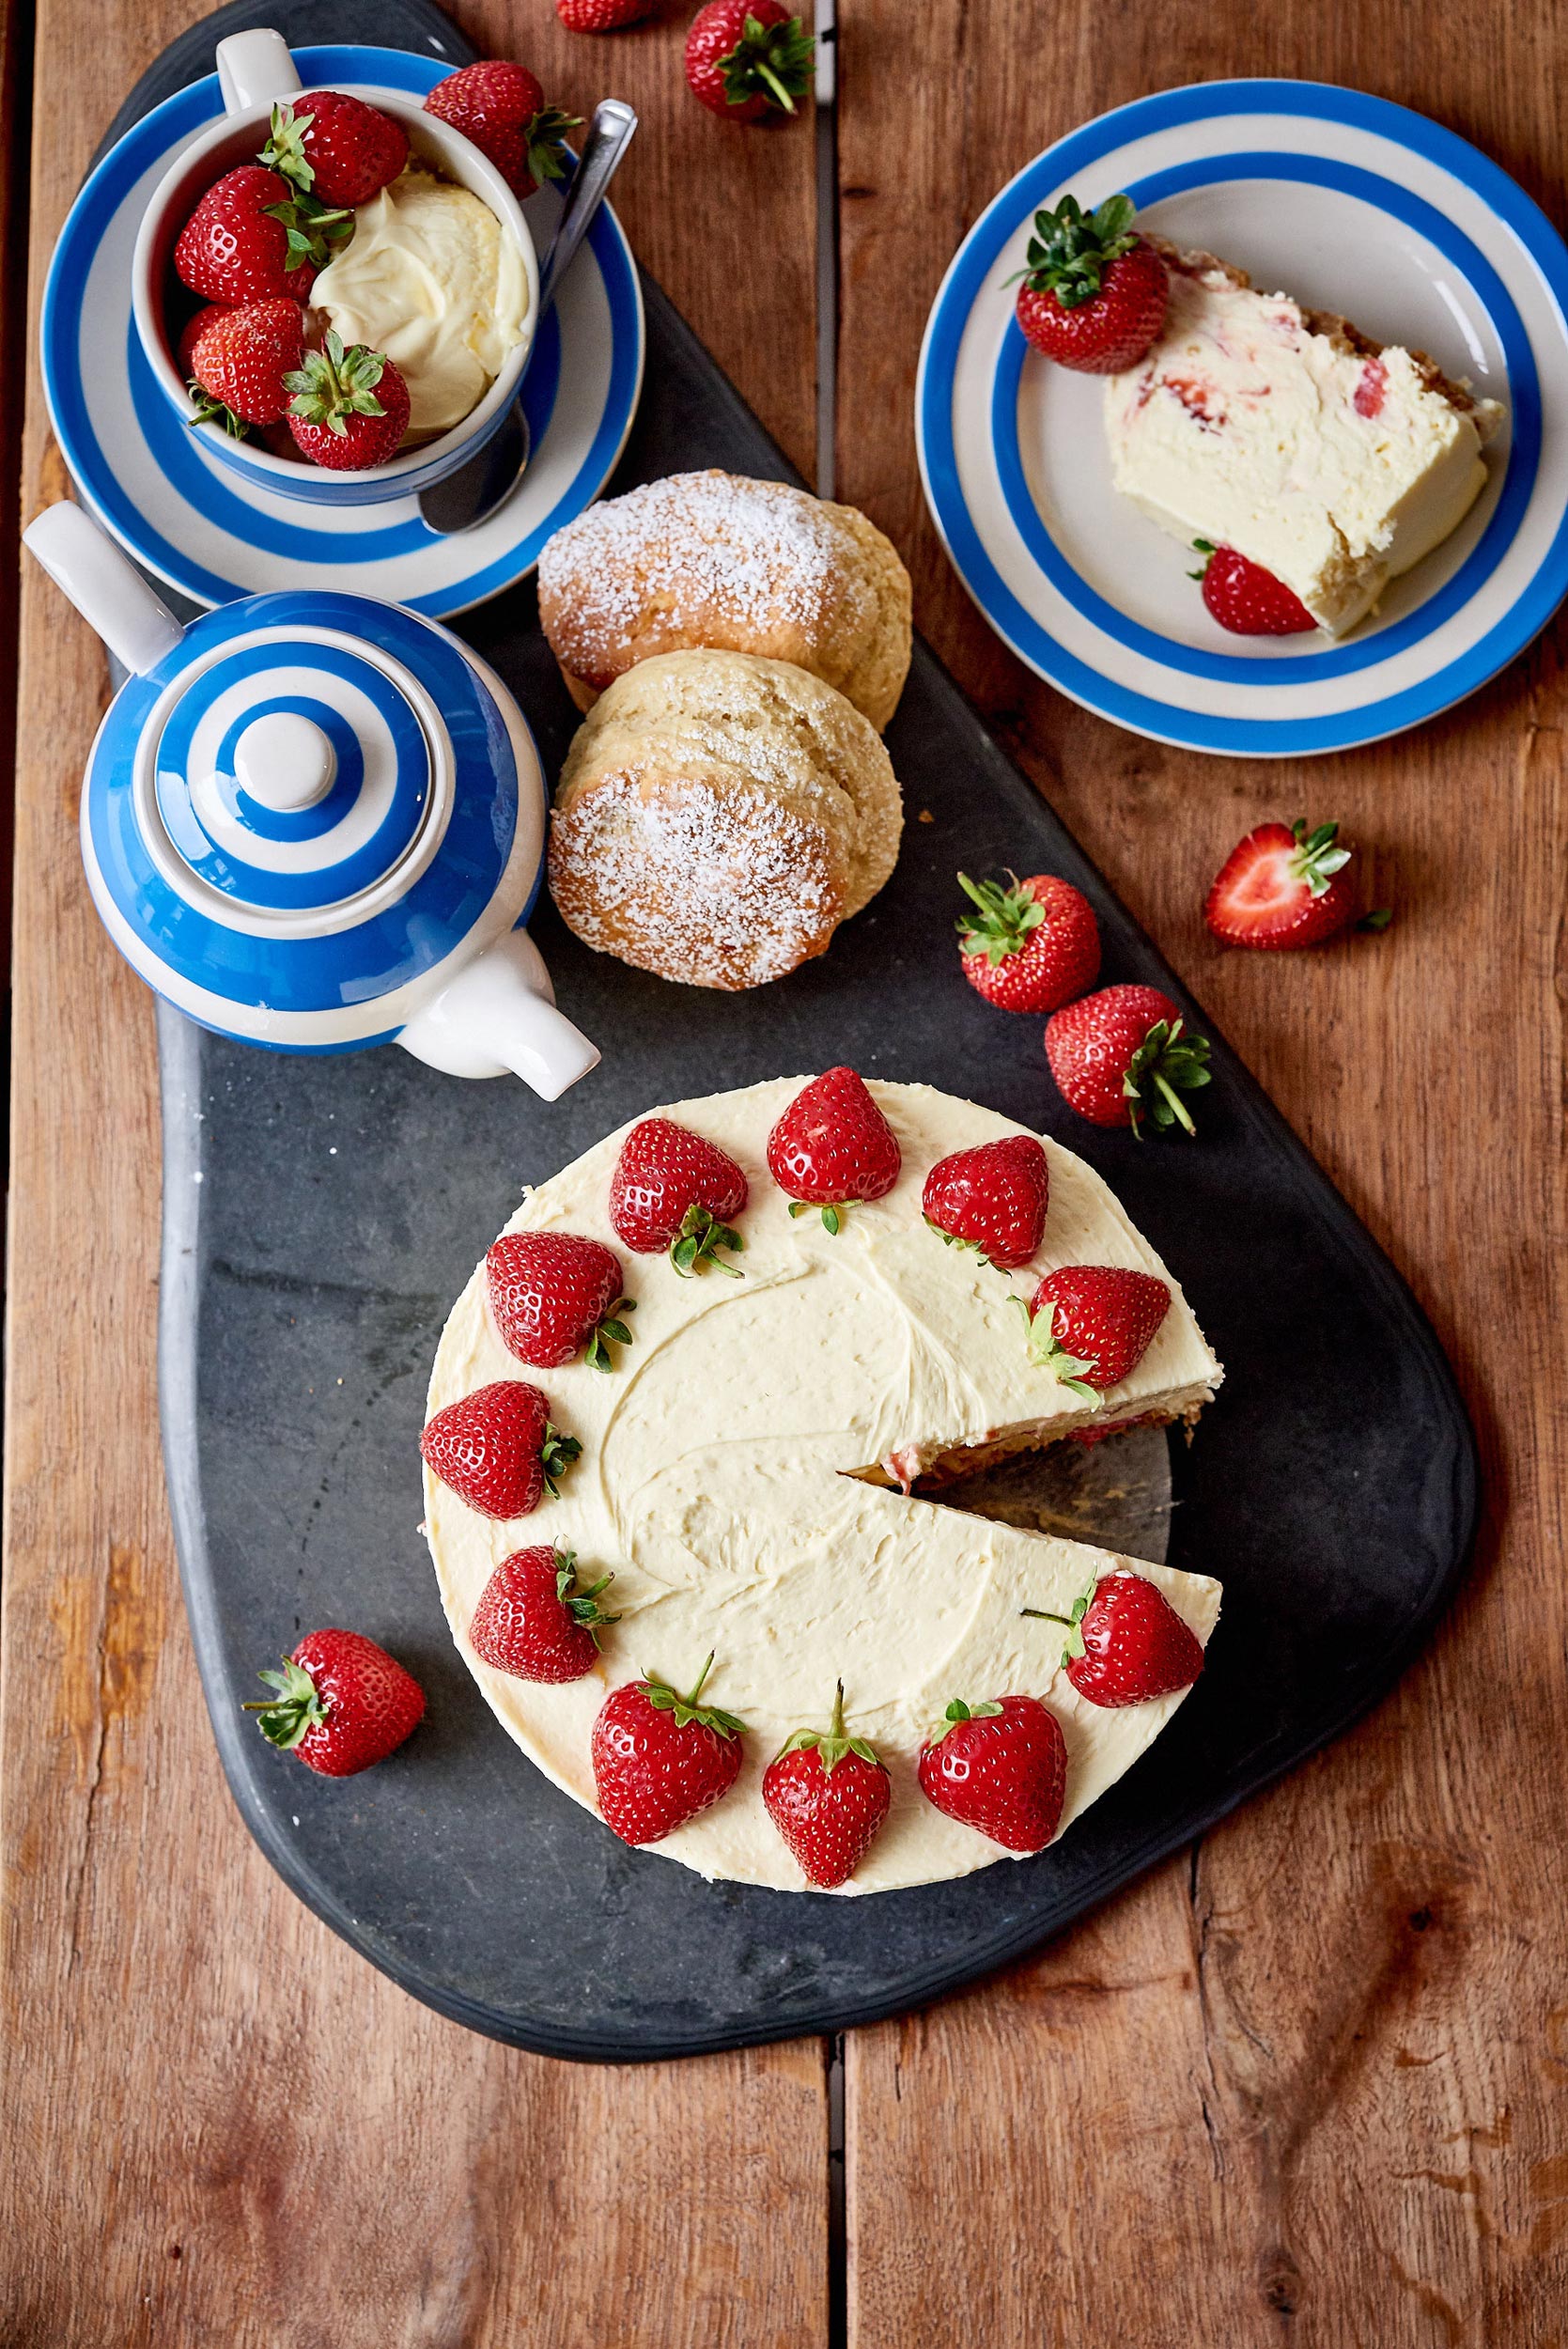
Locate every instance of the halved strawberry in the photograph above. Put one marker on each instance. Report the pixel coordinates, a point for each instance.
(993, 1198)
(1282, 886)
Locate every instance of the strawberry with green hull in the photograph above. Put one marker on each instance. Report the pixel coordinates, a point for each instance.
(1285, 886)
(1094, 295)
(335, 148)
(1000, 1766)
(833, 1145)
(252, 239)
(342, 1703)
(747, 58)
(673, 1191)
(661, 1757)
(500, 107)
(554, 1295)
(350, 408)
(1029, 947)
(1246, 598)
(1125, 1642)
(1090, 1324)
(534, 1619)
(1123, 1057)
(497, 1450)
(993, 1198)
(828, 1794)
(239, 361)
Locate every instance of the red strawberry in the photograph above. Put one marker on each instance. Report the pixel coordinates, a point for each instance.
(552, 1294)
(500, 107)
(250, 239)
(672, 1190)
(192, 332)
(828, 1794)
(1282, 886)
(496, 1449)
(1031, 947)
(239, 360)
(999, 1766)
(831, 1145)
(335, 147)
(341, 1704)
(349, 408)
(533, 1622)
(659, 1759)
(746, 57)
(1127, 1642)
(1094, 295)
(1092, 1324)
(1123, 1057)
(1246, 598)
(993, 1198)
(603, 16)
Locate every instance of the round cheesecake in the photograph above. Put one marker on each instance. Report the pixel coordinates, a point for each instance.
(744, 1474)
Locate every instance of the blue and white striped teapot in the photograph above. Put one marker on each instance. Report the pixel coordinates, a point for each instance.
(316, 822)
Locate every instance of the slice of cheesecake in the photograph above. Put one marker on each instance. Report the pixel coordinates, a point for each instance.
(1333, 461)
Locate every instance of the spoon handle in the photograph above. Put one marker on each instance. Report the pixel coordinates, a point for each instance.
(608, 136)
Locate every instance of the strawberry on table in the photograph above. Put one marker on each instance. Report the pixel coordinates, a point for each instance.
(993, 1198)
(250, 240)
(1000, 1766)
(828, 1794)
(1283, 886)
(745, 58)
(341, 1704)
(833, 1145)
(500, 107)
(1090, 1324)
(603, 16)
(1030, 947)
(237, 362)
(1246, 598)
(1125, 1642)
(534, 1618)
(350, 408)
(1123, 1057)
(552, 1294)
(497, 1450)
(674, 1190)
(660, 1759)
(1094, 294)
(335, 147)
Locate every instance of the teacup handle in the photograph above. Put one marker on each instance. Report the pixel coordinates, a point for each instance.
(254, 68)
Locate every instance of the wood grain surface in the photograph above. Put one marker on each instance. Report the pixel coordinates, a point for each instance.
(1306, 2085)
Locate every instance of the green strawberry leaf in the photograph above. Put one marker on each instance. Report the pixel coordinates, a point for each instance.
(774, 62)
(298, 1705)
(1003, 922)
(697, 1243)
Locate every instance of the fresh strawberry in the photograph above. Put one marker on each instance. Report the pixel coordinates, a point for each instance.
(993, 1198)
(341, 1704)
(833, 1145)
(828, 1794)
(671, 1189)
(603, 16)
(1246, 598)
(1122, 1057)
(251, 238)
(1092, 1324)
(193, 331)
(239, 360)
(1125, 1642)
(1282, 886)
(659, 1759)
(1031, 947)
(746, 58)
(1094, 295)
(999, 1766)
(500, 107)
(553, 1292)
(335, 147)
(349, 408)
(533, 1620)
(496, 1449)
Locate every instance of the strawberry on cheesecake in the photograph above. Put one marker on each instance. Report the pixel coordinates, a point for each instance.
(1331, 462)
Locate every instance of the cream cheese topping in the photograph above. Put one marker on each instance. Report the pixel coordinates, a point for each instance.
(432, 279)
(722, 1479)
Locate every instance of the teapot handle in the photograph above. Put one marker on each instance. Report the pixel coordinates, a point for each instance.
(498, 1014)
(109, 593)
(254, 68)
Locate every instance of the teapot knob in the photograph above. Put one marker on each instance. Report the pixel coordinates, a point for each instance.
(285, 762)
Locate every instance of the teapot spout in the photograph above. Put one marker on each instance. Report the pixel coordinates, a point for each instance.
(499, 1013)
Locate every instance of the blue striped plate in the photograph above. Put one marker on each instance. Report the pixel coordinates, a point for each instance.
(213, 537)
(1353, 205)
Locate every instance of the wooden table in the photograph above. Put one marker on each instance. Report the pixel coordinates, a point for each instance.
(1307, 2083)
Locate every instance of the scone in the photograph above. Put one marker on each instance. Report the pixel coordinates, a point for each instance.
(718, 816)
(717, 561)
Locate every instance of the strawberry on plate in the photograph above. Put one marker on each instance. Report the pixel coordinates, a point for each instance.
(745, 58)
(660, 1759)
(349, 408)
(1283, 886)
(500, 107)
(1125, 1642)
(603, 16)
(1094, 294)
(1092, 1324)
(239, 361)
(833, 1145)
(1123, 1057)
(1246, 598)
(552, 1294)
(534, 1618)
(249, 240)
(674, 1190)
(497, 1450)
(335, 147)
(828, 1794)
(993, 1198)
(1000, 1766)
(341, 1704)
(1030, 947)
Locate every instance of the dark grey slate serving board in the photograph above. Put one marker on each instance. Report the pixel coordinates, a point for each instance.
(320, 1215)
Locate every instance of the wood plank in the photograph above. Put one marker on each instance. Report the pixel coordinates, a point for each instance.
(222, 2126)
(1308, 2082)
